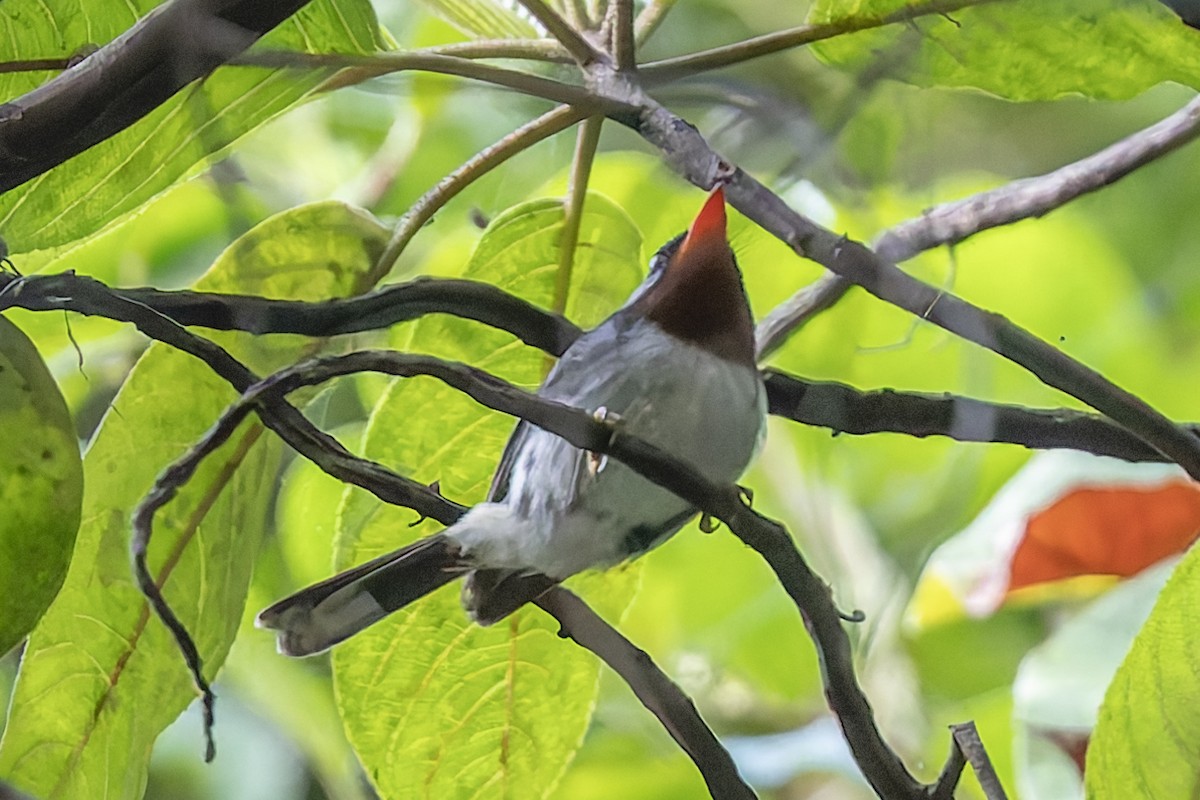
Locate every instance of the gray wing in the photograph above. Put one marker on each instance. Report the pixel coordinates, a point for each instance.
(499, 487)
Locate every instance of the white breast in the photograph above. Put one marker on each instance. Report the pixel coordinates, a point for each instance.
(563, 515)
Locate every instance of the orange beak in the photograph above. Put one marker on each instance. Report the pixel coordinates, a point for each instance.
(709, 225)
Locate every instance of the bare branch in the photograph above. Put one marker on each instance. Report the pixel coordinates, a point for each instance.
(843, 409)
(258, 315)
(657, 692)
(123, 81)
(943, 787)
(1034, 197)
(580, 48)
(36, 65)
(966, 736)
(1021, 199)
(369, 66)
(669, 69)
(474, 168)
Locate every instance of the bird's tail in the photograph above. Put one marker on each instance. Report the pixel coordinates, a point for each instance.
(320, 616)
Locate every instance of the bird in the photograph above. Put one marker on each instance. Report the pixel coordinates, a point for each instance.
(675, 365)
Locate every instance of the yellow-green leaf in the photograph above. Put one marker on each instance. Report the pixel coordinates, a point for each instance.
(101, 677)
(1145, 742)
(434, 705)
(41, 485)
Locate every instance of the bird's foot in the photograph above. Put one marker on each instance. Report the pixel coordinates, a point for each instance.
(597, 461)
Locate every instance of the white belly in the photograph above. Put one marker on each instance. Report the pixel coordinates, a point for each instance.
(561, 515)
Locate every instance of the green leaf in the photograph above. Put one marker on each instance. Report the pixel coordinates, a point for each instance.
(484, 19)
(433, 704)
(1144, 744)
(101, 677)
(1028, 50)
(119, 174)
(42, 489)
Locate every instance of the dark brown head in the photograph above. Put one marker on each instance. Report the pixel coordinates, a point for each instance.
(699, 297)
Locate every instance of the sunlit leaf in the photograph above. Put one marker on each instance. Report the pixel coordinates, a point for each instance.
(101, 677)
(42, 487)
(119, 174)
(1144, 744)
(1028, 50)
(433, 704)
(485, 19)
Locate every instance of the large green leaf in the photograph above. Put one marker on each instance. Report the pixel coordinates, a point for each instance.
(41, 485)
(434, 705)
(118, 175)
(1026, 49)
(101, 677)
(1145, 742)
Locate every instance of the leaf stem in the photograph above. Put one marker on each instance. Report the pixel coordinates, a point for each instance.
(471, 170)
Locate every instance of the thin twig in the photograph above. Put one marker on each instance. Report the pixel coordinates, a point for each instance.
(669, 69)
(624, 46)
(1015, 201)
(785, 319)
(385, 63)
(966, 736)
(548, 50)
(947, 781)
(35, 65)
(472, 169)
(658, 693)
(581, 170)
(649, 19)
(580, 48)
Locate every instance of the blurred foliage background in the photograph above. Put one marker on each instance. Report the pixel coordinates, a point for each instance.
(1111, 279)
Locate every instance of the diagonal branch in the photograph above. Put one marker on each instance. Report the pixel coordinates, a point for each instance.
(580, 48)
(1019, 200)
(164, 51)
(657, 692)
(687, 152)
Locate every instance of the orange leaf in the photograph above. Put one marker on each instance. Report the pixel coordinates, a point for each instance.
(1106, 531)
